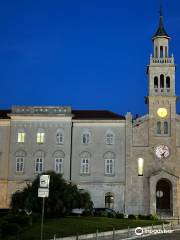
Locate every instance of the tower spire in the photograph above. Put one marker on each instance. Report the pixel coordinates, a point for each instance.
(161, 32)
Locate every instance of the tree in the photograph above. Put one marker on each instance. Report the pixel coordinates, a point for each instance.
(63, 197)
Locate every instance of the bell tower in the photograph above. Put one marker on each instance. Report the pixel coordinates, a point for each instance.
(161, 76)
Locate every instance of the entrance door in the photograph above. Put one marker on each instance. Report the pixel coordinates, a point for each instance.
(163, 195)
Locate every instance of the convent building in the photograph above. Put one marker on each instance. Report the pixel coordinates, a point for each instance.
(130, 165)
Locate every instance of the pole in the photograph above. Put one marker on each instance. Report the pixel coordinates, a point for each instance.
(42, 218)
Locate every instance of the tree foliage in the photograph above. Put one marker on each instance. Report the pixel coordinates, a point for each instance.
(63, 197)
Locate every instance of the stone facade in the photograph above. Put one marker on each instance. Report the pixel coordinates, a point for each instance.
(101, 151)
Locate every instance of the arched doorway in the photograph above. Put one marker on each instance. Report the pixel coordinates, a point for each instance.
(109, 200)
(163, 196)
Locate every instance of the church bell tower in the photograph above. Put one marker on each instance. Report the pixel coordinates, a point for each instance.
(161, 76)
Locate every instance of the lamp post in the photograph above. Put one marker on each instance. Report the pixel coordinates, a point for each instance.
(43, 192)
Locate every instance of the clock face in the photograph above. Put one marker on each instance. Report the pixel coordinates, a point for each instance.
(162, 112)
(162, 151)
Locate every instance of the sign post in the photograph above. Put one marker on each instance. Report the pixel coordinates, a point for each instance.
(43, 192)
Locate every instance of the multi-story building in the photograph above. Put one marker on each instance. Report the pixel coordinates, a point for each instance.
(131, 165)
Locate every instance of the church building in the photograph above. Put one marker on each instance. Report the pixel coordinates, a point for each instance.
(129, 164)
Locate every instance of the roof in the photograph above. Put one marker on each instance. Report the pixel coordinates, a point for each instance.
(161, 32)
(96, 114)
(4, 114)
(81, 114)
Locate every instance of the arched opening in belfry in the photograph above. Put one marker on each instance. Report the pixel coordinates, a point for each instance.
(156, 82)
(161, 81)
(161, 52)
(167, 82)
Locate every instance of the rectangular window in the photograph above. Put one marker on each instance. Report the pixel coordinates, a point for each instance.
(19, 164)
(39, 165)
(21, 137)
(84, 169)
(109, 166)
(59, 165)
(40, 137)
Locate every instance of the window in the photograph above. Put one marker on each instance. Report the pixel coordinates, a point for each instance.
(109, 166)
(109, 138)
(165, 127)
(59, 165)
(60, 136)
(109, 200)
(86, 137)
(40, 136)
(21, 136)
(161, 52)
(39, 165)
(161, 81)
(156, 52)
(84, 169)
(19, 164)
(158, 127)
(167, 82)
(166, 52)
(155, 82)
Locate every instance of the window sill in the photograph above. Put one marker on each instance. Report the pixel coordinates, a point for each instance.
(109, 175)
(84, 174)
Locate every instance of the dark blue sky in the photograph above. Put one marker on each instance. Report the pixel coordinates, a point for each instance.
(90, 54)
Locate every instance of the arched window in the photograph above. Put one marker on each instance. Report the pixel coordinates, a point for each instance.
(165, 127)
(59, 161)
(159, 127)
(166, 52)
(109, 200)
(40, 136)
(20, 156)
(167, 82)
(161, 81)
(85, 163)
(156, 82)
(109, 165)
(161, 52)
(86, 137)
(109, 137)
(156, 52)
(39, 161)
(60, 136)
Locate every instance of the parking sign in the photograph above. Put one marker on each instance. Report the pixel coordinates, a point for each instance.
(44, 181)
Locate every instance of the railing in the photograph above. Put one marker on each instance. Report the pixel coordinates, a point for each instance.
(162, 60)
(162, 90)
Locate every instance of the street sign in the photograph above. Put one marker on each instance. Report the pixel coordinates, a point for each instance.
(43, 192)
(44, 181)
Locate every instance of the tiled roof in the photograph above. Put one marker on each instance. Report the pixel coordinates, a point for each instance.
(3, 114)
(81, 114)
(96, 114)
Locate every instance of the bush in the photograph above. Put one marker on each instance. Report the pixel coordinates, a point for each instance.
(152, 217)
(10, 229)
(119, 215)
(87, 213)
(110, 215)
(131, 216)
(142, 217)
(22, 220)
(100, 214)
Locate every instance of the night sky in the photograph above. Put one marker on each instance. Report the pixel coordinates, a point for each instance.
(89, 54)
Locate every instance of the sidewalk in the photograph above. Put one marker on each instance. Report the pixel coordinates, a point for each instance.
(126, 233)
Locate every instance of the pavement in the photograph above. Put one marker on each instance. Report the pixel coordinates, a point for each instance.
(168, 236)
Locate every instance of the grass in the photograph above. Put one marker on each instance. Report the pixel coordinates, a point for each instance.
(69, 226)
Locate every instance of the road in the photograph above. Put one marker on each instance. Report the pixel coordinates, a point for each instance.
(167, 236)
